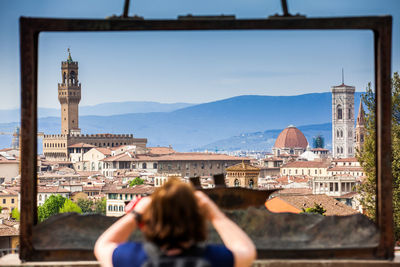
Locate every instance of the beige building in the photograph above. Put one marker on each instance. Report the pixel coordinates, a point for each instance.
(44, 192)
(56, 146)
(305, 168)
(337, 185)
(346, 166)
(9, 167)
(8, 200)
(92, 160)
(242, 175)
(118, 198)
(183, 164)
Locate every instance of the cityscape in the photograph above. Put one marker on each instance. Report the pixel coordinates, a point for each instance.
(102, 172)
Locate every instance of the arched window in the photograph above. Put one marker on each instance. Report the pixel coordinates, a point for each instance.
(64, 77)
(339, 111)
(338, 150)
(251, 183)
(144, 165)
(40, 197)
(99, 165)
(337, 133)
(110, 208)
(121, 208)
(72, 77)
(349, 114)
(115, 208)
(154, 165)
(361, 138)
(341, 133)
(92, 166)
(341, 150)
(236, 182)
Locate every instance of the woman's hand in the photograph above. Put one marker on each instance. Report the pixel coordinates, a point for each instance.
(207, 206)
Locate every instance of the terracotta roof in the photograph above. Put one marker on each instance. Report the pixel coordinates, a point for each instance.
(139, 189)
(6, 230)
(293, 191)
(284, 180)
(161, 150)
(8, 192)
(173, 157)
(11, 159)
(242, 167)
(345, 160)
(103, 150)
(332, 206)
(52, 189)
(306, 164)
(348, 195)
(346, 168)
(81, 145)
(291, 137)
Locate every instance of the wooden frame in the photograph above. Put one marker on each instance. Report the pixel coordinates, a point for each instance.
(381, 27)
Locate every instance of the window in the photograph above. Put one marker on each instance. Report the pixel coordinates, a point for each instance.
(339, 112)
(144, 165)
(4, 201)
(12, 201)
(154, 165)
(251, 183)
(236, 182)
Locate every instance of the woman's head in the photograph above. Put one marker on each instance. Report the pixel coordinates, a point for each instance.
(173, 216)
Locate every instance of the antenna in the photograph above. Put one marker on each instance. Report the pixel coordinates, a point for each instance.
(342, 76)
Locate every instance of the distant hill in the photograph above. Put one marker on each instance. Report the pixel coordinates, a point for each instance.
(203, 124)
(104, 109)
(264, 141)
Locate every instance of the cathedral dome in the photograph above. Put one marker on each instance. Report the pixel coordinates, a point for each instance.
(291, 137)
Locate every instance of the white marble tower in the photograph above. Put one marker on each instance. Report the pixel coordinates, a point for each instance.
(343, 121)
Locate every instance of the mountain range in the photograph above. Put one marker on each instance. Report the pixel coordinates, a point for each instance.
(220, 122)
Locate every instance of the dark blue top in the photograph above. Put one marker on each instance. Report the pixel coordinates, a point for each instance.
(132, 254)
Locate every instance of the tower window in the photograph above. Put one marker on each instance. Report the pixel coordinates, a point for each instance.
(339, 112)
(349, 114)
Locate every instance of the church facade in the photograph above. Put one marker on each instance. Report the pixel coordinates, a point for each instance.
(55, 146)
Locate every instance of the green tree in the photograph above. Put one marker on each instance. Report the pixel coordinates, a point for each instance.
(15, 214)
(50, 207)
(70, 206)
(318, 141)
(136, 181)
(366, 157)
(85, 205)
(317, 209)
(100, 206)
(1, 208)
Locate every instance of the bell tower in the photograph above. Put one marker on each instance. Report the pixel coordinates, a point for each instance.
(343, 121)
(69, 95)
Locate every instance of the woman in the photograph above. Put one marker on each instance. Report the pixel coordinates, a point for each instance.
(174, 219)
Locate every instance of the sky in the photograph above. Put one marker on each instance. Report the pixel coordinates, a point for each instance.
(193, 67)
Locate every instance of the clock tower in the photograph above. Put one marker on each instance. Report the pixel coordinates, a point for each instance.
(343, 121)
(69, 95)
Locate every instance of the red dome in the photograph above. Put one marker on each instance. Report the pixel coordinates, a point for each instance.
(291, 137)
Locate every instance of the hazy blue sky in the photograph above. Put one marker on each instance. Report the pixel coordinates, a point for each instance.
(193, 66)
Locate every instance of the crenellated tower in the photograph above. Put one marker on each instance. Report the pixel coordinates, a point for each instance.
(69, 95)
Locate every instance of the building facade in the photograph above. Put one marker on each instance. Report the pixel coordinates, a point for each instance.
(242, 175)
(343, 121)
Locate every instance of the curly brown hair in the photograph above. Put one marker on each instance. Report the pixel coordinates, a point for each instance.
(174, 217)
